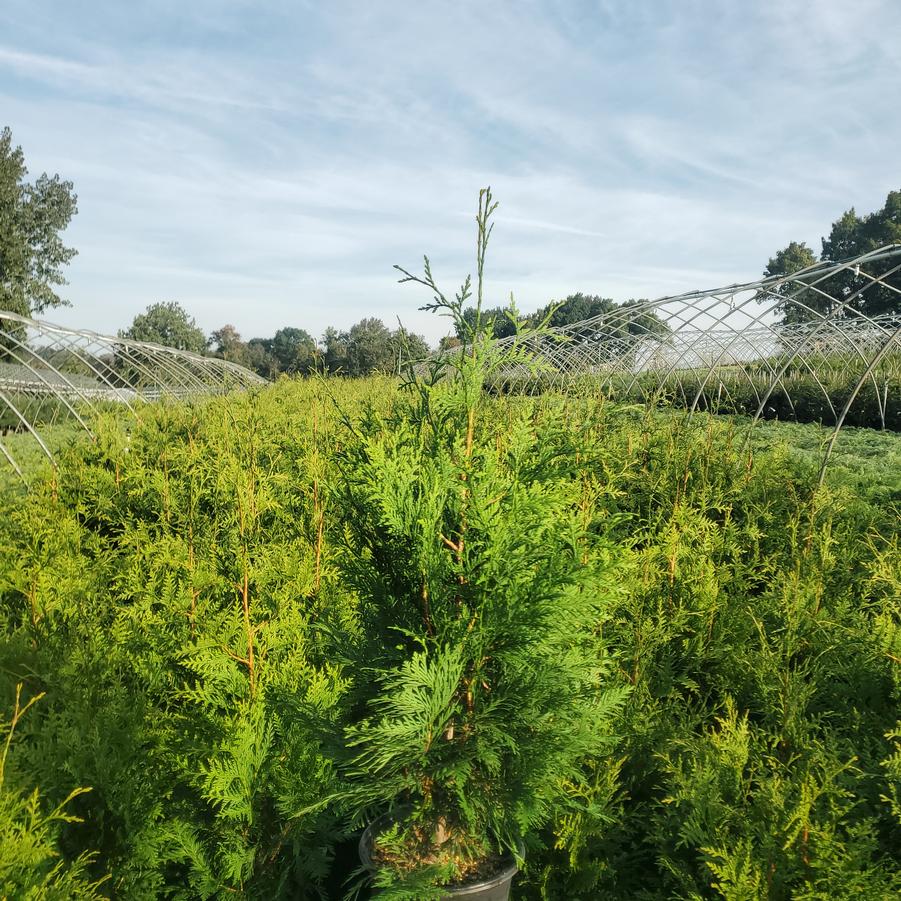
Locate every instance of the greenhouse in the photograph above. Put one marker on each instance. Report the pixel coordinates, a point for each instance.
(50, 374)
(821, 345)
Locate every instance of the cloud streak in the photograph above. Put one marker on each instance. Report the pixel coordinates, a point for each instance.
(266, 164)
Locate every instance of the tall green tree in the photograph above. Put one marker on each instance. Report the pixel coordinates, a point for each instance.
(639, 321)
(797, 304)
(791, 259)
(370, 348)
(574, 308)
(334, 350)
(294, 350)
(261, 359)
(486, 683)
(226, 343)
(850, 291)
(408, 347)
(853, 235)
(167, 323)
(32, 215)
(501, 324)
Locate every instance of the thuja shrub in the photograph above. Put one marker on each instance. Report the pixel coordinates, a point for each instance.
(482, 684)
(222, 604)
(31, 864)
(485, 596)
(162, 591)
(758, 631)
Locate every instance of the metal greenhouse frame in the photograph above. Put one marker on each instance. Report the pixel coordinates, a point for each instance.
(758, 348)
(49, 373)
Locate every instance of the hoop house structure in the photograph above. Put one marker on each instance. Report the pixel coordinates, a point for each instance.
(821, 345)
(50, 374)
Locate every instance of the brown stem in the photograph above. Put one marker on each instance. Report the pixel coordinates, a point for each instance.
(318, 511)
(191, 573)
(18, 713)
(229, 653)
(245, 598)
(319, 514)
(33, 599)
(427, 610)
(442, 833)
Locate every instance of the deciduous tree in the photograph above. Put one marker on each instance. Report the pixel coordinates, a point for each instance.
(294, 350)
(369, 348)
(334, 347)
(32, 215)
(260, 357)
(575, 308)
(226, 343)
(851, 291)
(167, 323)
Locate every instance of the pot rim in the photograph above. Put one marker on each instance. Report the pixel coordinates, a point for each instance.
(469, 888)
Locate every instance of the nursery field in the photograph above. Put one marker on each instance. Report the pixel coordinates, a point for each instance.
(657, 657)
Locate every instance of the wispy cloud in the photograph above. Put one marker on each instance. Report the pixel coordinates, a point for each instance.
(177, 84)
(43, 66)
(266, 163)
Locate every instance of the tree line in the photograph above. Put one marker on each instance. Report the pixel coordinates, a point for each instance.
(366, 347)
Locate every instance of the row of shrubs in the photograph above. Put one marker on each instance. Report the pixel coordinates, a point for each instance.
(799, 397)
(178, 604)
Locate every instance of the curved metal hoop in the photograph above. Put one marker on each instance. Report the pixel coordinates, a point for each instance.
(798, 347)
(49, 373)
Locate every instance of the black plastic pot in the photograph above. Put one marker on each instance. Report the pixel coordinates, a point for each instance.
(493, 888)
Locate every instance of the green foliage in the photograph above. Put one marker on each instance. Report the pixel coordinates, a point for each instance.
(32, 215)
(30, 860)
(501, 324)
(649, 646)
(803, 303)
(753, 633)
(755, 620)
(800, 396)
(851, 236)
(168, 324)
(226, 343)
(485, 594)
(369, 348)
(334, 350)
(172, 639)
(294, 350)
(575, 308)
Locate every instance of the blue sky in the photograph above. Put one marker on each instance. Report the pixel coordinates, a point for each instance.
(265, 163)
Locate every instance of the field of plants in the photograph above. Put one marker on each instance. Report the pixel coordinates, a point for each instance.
(195, 625)
(801, 396)
(628, 652)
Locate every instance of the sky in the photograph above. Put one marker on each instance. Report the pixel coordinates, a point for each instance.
(266, 163)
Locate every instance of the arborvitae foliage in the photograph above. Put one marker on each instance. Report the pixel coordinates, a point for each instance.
(486, 685)
(31, 865)
(162, 597)
(754, 617)
(758, 632)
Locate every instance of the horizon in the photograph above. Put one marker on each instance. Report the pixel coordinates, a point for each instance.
(266, 166)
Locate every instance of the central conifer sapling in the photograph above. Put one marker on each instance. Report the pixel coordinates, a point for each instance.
(484, 685)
